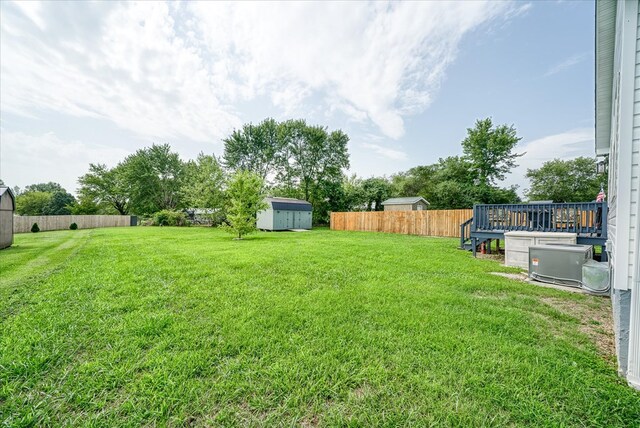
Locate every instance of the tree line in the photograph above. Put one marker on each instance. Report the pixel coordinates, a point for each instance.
(295, 159)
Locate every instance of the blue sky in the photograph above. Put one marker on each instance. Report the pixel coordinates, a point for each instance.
(83, 83)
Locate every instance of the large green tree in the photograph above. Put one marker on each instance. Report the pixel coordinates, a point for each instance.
(314, 162)
(375, 190)
(451, 183)
(257, 148)
(153, 176)
(45, 199)
(61, 203)
(104, 188)
(204, 184)
(245, 197)
(49, 187)
(297, 159)
(490, 152)
(33, 203)
(559, 180)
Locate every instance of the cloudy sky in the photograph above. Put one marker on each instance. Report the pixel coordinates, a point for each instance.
(93, 82)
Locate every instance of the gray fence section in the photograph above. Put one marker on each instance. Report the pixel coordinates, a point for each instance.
(23, 224)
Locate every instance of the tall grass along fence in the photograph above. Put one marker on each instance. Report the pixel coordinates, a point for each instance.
(428, 223)
(22, 224)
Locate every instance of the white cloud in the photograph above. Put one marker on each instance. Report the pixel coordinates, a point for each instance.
(382, 59)
(567, 63)
(28, 159)
(565, 145)
(125, 64)
(174, 70)
(385, 152)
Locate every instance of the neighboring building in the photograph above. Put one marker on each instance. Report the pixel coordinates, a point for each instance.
(285, 214)
(7, 207)
(204, 216)
(618, 136)
(412, 203)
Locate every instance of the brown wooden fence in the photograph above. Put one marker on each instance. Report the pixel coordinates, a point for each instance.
(23, 224)
(428, 223)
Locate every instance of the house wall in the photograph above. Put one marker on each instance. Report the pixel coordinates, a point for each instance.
(624, 189)
(624, 179)
(633, 278)
(403, 207)
(406, 207)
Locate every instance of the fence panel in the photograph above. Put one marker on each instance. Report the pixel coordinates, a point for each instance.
(444, 223)
(23, 224)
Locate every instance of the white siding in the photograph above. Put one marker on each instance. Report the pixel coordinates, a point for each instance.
(624, 167)
(633, 279)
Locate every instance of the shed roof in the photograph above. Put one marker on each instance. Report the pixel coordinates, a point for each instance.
(4, 191)
(404, 201)
(289, 204)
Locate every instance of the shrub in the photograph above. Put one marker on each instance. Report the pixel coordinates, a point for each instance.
(73, 226)
(35, 228)
(170, 218)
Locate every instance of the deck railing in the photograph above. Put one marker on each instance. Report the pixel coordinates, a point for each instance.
(582, 218)
(465, 232)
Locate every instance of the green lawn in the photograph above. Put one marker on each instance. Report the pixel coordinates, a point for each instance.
(168, 326)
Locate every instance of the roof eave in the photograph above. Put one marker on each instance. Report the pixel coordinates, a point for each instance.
(605, 49)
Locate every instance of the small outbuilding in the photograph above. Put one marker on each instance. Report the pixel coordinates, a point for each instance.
(411, 203)
(7, 207)
(285, 214)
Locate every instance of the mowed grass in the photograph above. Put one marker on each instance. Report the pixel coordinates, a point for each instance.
(186, 327)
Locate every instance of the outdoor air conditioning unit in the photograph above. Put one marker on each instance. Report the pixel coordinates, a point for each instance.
(559, 263)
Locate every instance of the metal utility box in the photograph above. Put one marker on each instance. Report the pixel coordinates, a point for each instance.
(517, 243)
(558, 263)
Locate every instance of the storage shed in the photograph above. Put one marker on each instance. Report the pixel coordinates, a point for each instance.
(285, 214)
(411, 203)
(7, 207)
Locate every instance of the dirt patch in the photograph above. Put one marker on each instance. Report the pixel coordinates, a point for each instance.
(493, 256)
(517, 276)
(595, 319)
(310, 422)
(362, 391)
(480, 294)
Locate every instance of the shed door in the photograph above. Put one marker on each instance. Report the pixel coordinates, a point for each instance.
(296, 219)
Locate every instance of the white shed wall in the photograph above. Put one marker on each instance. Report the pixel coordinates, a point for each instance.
(265, 220)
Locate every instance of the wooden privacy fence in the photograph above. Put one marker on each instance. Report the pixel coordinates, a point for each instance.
(22, 224)
(428, 223)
